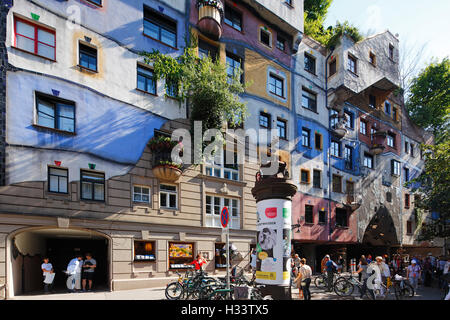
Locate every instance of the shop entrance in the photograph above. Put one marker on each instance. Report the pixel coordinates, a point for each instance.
(60, 245)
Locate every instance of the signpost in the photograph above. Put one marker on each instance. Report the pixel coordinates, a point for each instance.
(224, 220)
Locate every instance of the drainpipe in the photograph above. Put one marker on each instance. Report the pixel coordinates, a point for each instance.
(329, 144)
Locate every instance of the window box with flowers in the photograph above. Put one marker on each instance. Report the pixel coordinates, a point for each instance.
(164, 168)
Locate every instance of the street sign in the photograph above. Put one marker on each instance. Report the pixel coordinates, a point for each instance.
(224, 217)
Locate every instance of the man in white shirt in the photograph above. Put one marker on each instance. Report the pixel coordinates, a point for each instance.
(304, 279)
(74, 271)
(47, 272)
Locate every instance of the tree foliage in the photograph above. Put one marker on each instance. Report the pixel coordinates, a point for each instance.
(433, 186)
(203, 83)
(429, 99)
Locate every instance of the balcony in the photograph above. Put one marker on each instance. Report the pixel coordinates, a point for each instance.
(210, 14)
(352, 201)
(378, 140)
(164, 168)
(338, 126)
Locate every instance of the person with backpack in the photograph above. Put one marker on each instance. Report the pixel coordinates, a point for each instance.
(331, 268)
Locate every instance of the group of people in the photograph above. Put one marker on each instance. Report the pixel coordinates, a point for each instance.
(80, 271)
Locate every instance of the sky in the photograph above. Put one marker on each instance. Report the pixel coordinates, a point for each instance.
(417, 22)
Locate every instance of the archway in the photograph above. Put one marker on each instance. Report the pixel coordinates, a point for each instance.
(27, 248)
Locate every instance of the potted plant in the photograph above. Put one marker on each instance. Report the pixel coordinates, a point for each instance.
(210, 13)
(164, 168)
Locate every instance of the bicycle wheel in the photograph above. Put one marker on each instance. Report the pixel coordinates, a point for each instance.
(408, 290)
(343, 288)
(174, 291)
(320, 282)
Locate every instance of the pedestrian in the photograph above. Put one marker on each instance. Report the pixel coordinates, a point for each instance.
(297, 261)
(199, 262)
(253, 260)
(384, 274)
(89, 266)
(428, 272)
(340, 264)
(364, 275)
(331, 268)
(363, 257)
(323, 268)
(48, 274)
(413, 273)
(369, 259)
(74, 269)
(304, 278)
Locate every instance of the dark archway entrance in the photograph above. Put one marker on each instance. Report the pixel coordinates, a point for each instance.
(379, 238)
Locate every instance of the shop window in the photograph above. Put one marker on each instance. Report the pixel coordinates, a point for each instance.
(35, 39)
(181, 255)
(220, 258)
(144, 250)
(160, 27)
(58, 180)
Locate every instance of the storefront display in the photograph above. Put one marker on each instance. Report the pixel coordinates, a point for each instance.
(144, 251)
(181, 255)
(220, 258)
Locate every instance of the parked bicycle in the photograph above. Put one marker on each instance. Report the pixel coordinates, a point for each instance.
(345, 286)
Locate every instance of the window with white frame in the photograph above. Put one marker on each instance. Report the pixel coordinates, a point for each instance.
(214, 206)
(168, 196)
(141, 194)
(226, 168)
(395, 168)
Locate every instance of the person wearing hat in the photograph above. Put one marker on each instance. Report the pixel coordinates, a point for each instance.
(413, 273)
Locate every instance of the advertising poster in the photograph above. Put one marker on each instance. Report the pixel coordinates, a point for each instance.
(273, 242)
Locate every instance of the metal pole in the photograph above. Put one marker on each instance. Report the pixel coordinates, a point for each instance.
(228, 257)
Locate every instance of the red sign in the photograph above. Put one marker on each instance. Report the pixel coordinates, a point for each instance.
(271, 213)
(224, 217)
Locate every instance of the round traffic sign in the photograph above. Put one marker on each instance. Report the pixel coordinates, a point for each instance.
(224, 217)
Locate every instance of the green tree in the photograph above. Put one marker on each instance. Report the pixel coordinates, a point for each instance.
(317, 9)
(433, 186)
(429, 99)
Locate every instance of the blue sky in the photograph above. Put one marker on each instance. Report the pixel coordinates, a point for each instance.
(416, 21)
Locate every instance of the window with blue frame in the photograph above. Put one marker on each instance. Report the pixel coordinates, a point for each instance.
(368, 161)
(55, 113)
(87, 57)
(282, 128)
(348, 156)
(334, 118)
(264, 120)
(146, 80)
(349, 119)
(276, 85)
(406, 170)
(309, 100)
(395, 168)
(97, 2)
(335, 148)
(306, 137)
(160, 27)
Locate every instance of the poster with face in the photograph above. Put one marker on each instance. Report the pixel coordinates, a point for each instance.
(273, 242)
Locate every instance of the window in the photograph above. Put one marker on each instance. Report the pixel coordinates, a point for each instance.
(264, 120)
(406, 147)
(372, 58)
(391, 52)
(363, 127)
(276, 86)
(406, 174)
(168, 196)
(233, 67)
(306, 133)
(318, 141)
(395, 168)
(334, 118)
(317, 179)
(309, 100)
(58, 180)
(333, 67)
(395, 114)
(349, 119)
(391, 140)
(335, 148)
(289, 2)
(337, 183)
(181, 255)
(223, 169)
(282, 130)
(348, 158)
(368, 161)
(372, 101)
(409, 227)
(141, 194)
(55, 113)
(88, 57)
(407, 200)
(160, 27)
(97, 2)
(144, 251)
(373, 130)
(281, 43)
(92, 186)
(146, 80)
(35, 39)
(352, 64)
(310, 63)
(412, 150)
(265, 37)
(350, 190)
(214, 206)
(387, 107)
(341, 218)
(205, 50)
(322, 217)
(309, 216)
(304, 176)
(172, 87)
(389, 197)
(233, 18)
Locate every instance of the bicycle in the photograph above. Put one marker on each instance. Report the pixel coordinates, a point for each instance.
(174, 290)
(345, 286)
(402, 288)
